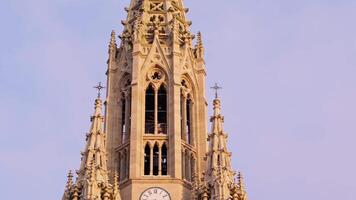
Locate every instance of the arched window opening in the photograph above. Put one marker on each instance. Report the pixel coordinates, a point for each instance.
(123, 120)
(127, 172)
(164, 160)
(186, 113)
(124, 169)
(182, 115)
(187, 167)
(188, 121)
(155, 160)
(162, 110)
(192, 165)
(122, 166)
(183, 164)
(150, 111)
(147, 160)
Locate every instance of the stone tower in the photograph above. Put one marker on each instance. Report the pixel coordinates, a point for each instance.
(156, 105)
(154, 142)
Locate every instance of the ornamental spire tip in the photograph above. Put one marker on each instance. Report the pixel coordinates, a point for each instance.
(99, 87)
(216, 87)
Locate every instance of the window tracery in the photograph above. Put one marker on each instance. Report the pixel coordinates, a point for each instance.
(123, 164)
(156, 103)
(186, 112)
(156, 159)
(125, 109)
(188, 164)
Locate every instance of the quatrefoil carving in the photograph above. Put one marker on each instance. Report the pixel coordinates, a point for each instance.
(156, 76)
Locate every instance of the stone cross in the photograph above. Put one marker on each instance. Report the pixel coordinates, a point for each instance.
(216, 88)
(99, 87)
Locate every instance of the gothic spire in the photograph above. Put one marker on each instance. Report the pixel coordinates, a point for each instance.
(92, 181)
(95, 151)
(219, 174)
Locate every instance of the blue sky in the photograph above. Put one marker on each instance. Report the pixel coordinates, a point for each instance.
(288, 69)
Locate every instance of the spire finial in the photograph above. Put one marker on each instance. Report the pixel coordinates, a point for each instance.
(113, 39)
(240, 180)
(199, 40)
(70, 180)
(99, 87)
(216, 88)
(199, 48)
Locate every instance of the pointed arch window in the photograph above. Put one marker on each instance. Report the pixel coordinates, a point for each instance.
(192, 165)
(125, 110)
(164, 160)
(186, 114)
(162, 110)
(123, 119)
(156, 110)
(156, 160)
(150, 110)
(123, 165)
(188, 121)
(147, 160)
(187, 167)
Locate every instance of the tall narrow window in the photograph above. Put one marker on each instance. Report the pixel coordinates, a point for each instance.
(123, 120)
(183, 164)
(123, 165)
(187, 166)
(162, 110)
(120, 165)
(147, 159)
(164, 160)
(182, 115)
(150, 111)
(192, 165)
(188, 120)
(127, 164)
(155, 160)
(124, 169)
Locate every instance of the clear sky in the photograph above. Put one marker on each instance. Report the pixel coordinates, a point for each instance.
(288, 68)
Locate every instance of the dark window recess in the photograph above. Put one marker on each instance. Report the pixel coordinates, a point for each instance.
(164, 160)
(123, 120)
(150, 111)
(181, 115)
(155, 160)
(162, 110)
(189, 121)
(147, 159)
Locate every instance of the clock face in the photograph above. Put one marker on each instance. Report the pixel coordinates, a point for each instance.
(155, 193)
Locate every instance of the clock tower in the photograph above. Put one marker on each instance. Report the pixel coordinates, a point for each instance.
(156, 106)
(154, 137)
